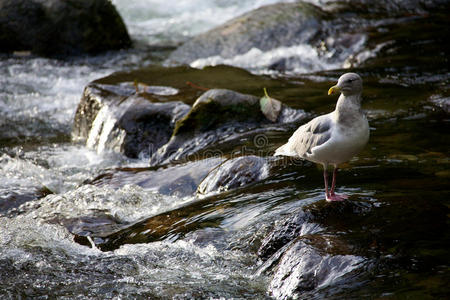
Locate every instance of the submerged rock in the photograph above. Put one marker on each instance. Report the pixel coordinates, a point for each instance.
(124, 122)
(234, 173)
(180, 180)
(441, 102)
(56, 27)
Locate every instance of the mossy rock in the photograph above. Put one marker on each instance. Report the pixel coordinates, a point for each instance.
(217, 107)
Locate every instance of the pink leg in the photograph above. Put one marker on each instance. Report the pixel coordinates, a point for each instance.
(325, 178)
(333, 196)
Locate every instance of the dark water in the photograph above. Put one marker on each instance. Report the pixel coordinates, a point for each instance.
(161, 241)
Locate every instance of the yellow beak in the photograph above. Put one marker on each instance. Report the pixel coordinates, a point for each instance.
(334, 89)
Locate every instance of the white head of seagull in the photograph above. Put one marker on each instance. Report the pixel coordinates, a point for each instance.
(333, 138)
(348, 84)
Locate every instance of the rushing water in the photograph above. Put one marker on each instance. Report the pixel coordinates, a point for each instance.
(208, 249)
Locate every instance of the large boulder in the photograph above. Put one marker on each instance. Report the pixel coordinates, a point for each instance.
(303, 37)
(302, 257)
(109, 117)
(144, 112)
(61, 27)
(282, 24)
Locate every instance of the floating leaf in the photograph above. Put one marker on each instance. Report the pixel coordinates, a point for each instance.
(270, 107)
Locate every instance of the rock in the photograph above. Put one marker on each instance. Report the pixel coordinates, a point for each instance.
(217, 107)
(303, 268)
(302, 257)
(331, 213)
(284, 232)
(386, 8)
(57, 27)
(180, 180)
(302, 37)
(154, 123)
(234, 173)
(269, 27)
(11, 201)
(441, 102)
(124, 122)
(214, 117)
(172, 224)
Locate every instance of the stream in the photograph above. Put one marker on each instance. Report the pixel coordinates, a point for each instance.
(79, 219)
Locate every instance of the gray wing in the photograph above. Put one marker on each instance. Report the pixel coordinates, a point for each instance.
(312, 134)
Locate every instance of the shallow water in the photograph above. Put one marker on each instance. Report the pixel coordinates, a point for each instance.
(165, 244)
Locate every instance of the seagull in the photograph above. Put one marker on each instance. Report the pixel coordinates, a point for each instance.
(333, 138)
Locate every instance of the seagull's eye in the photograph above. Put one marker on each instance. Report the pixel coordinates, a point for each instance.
(350, 79)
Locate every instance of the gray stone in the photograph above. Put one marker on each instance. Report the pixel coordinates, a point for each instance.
(124, 122)
(283, 24)
(303, 268)
(234, 173)
(57, 27)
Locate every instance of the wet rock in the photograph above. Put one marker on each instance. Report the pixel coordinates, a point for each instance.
(333, 212)
(124, 122)
(215, 116)
(338, 34)
(56, 27)
(234, 173)
(179, 180)
(387, 8)
(441, 102)
(391, 47)
(310, 220)
(217, 107)
(303, 268)
(303, 256)
(113, 115)
(269, 27)
(87, 225)
(284, 232)
(11, 201)
(171, 225)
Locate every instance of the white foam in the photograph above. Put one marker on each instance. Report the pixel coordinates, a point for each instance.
(21, 233)
(307, 59)
(40, 95)
(57, 168)
(128, 204)
(102, 128)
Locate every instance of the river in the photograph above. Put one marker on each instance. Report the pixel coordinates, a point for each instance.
(393, 240)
